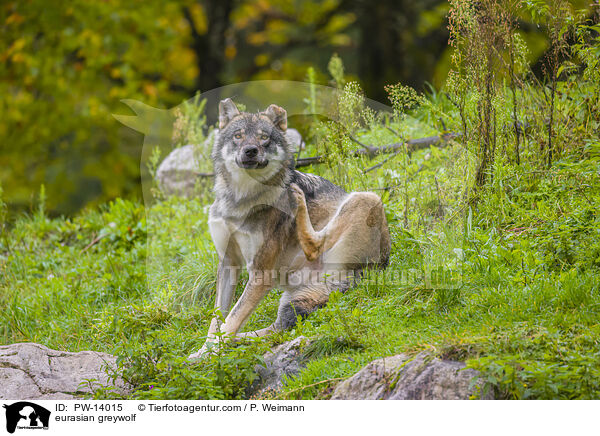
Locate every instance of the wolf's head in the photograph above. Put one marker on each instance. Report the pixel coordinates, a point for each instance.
(252, 146)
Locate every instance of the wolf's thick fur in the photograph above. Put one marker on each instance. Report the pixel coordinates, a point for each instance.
(293, 231)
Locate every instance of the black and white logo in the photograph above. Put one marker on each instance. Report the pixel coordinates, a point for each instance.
(26, 415)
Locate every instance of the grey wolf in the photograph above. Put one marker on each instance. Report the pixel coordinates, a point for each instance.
(293, 231)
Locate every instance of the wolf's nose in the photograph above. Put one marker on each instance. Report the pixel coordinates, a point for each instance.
(251, 151)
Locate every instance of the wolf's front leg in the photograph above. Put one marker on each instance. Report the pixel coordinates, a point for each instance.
(257, 287)
(228, 273)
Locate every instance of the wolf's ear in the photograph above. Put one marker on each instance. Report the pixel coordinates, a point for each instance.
(277, 115)
(227, 110)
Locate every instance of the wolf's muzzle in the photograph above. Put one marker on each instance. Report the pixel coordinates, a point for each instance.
(250, 151)
(250, 163)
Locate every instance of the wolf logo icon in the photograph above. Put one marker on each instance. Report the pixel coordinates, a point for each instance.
(26, 415)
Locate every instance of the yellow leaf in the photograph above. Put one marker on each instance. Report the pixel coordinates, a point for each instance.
(199, 17)
(14, 18)
(230, 51)
(261, 60)
(149, 89)
(257, 38)
(114, 92)
(341, 40)
(18, 57)
(115, 73)
(17, 45)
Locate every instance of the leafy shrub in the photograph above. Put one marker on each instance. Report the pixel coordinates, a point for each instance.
(155, 364)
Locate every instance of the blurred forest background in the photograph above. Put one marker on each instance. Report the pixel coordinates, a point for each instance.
(65, 66)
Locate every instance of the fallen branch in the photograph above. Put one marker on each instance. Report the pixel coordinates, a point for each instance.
(411, 145)
(380, 164)
(307, 161)
(94, 242)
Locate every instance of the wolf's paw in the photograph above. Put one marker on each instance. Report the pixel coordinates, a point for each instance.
(298, 195)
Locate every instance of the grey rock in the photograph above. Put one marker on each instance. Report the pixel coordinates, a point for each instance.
(285, 360)
(294, 138)
(399, 378)
(177, 174)
(370, 383)
(31, 371)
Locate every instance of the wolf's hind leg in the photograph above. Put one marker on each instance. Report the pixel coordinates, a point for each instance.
(311, 242)
(300, 301)
(357, 233)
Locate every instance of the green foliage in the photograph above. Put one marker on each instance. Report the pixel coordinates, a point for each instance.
(341, 328)
(64, 71)
(403, 98)
(52, 268)
(190, 122)
(2, 212)
(336, 69)
(557, 365)
(159, 370)
(311, 102)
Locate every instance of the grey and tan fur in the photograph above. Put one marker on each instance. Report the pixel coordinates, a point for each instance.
(296, 232)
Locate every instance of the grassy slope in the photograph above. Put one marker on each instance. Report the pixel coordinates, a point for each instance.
(523, 307)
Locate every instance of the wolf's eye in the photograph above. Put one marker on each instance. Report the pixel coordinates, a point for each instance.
(264, 137)
(238, 136)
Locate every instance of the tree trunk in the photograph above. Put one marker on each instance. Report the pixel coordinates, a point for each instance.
(209, 47)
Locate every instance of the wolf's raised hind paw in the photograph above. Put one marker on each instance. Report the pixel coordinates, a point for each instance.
(298, 194)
